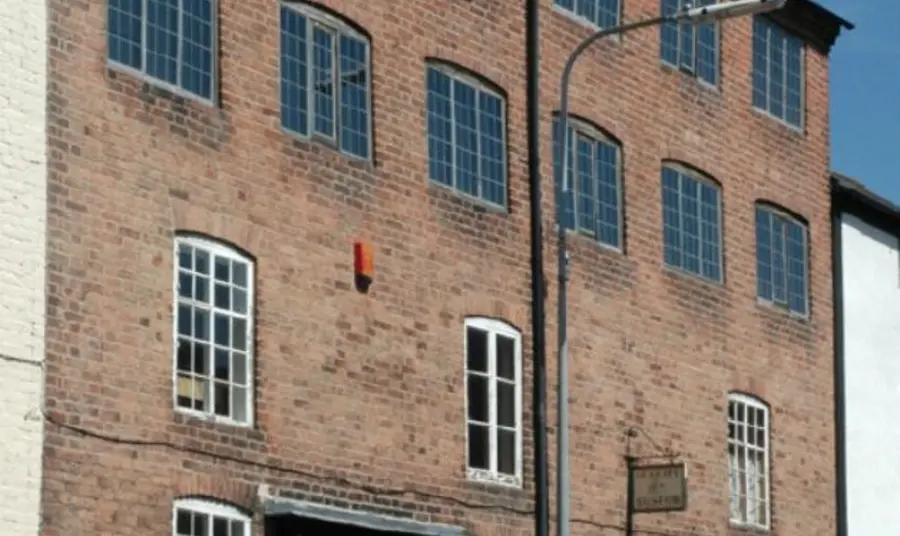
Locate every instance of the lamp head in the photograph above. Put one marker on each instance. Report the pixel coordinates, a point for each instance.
(729, 10)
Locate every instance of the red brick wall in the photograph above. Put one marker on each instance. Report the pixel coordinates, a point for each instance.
(368, 388)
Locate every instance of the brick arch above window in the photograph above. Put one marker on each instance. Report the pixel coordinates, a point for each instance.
(326, 78)
(782, 258)
(214, 330)
(593, 203)
(466, 130)
(692, 221)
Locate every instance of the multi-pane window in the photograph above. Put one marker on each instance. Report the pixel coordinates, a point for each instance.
(692, 236)
(600, 13)
(494, 401)
(213, 362)
(466, 135)
(777, 71)
(693, 48)
(325, 80)
(172, 41)
(748, 461)
(592, 203)
(202, 518)
(781, 260)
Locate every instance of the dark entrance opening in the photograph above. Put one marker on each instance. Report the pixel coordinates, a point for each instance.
(290, 525)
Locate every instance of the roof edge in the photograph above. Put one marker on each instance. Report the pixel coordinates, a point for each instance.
(816, 24)
(850, 195)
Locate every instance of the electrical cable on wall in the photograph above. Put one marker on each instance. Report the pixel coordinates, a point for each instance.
(333, 479)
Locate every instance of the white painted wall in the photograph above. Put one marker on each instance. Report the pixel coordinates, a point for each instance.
(871, 283)
(23, 178)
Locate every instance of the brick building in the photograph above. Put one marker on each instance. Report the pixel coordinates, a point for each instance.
(23, 209)
(210, 364)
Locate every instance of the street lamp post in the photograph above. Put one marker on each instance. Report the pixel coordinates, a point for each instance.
(695, 15)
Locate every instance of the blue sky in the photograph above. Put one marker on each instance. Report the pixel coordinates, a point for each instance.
(865, 94)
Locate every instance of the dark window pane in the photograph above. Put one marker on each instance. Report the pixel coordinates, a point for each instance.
(506, 357)
(201, 358)
(201, 325)
(476, 349)
(237, 528)
(223, 269)
(184, 320)
(506, 404)
(506, 452)
(201, 289)
(223, 296)
(185, 285)
(184, 355)
(201, 262)
(478, 398)
(223, 400)
(239, 274)
(220, 527)
(478, 447)
(223, 365)
(183, 523)
(239, 333)
(223, 330)
(200, 524)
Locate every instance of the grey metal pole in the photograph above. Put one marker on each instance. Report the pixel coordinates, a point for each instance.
(562, 451)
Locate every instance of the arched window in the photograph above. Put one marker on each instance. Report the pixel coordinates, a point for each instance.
(592, 203)
(326, 82)
(748, 461)
(692, 222)
(197, 517)
(782, 265)
(466, 133)
(213, 330)
(493, 351)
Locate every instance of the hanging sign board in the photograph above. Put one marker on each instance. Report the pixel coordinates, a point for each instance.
(659, 488)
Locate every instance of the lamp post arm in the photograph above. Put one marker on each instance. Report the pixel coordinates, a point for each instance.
(573, 58)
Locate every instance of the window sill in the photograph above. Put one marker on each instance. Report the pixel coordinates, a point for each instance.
(684, 275)
(151, 83)
(711, 90)
(187, 416)
(588, 240)
(331, 145)
(585, 23)
(770, 306)
(745, 529)
(485, 477)
(475, 202)
(787, 128)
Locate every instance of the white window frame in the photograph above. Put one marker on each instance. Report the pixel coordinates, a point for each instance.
(209, 508)
(459, 75)
(743, 519)
(219, 249)
(177, 88)
(494, 327)
(594, 135)
(335, 26)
